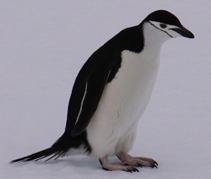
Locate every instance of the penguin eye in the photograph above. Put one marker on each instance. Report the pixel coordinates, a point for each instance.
(163, 26)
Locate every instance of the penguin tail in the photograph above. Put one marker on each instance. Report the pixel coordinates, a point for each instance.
(57, 150)
(50, 152)
(60, 148)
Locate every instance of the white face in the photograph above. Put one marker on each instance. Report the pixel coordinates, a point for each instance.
(165, 28)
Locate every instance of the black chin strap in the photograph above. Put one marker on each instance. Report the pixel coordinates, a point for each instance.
(161, 30)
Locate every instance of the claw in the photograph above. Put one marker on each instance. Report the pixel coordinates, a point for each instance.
(154, 164)
(135, 169)
(131, 170)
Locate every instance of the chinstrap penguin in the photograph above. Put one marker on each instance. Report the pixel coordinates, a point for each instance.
(111, 92)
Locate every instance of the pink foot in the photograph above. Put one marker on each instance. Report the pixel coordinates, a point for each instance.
(116, 166)
(137, 161)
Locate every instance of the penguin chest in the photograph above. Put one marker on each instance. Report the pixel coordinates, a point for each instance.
(129, 92)
(125, 98)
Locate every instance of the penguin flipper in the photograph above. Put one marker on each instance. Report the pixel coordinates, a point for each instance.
(91, 89)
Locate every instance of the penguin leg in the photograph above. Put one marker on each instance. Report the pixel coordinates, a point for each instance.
(137, 161)
(106, 165)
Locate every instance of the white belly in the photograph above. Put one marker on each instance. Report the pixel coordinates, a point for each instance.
(113, 126)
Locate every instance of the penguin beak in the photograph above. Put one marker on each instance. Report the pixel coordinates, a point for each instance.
(183, 32)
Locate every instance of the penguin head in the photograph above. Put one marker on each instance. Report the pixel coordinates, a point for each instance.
(167, 24)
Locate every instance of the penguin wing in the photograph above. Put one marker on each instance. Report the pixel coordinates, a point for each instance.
(84, 100)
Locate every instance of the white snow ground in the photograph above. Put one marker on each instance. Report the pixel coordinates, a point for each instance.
(43, 44)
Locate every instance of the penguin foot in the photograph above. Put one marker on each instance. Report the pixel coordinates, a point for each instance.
(116, 166)
(137, 161)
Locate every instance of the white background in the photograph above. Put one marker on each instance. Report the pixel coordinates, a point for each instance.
(43, 44)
